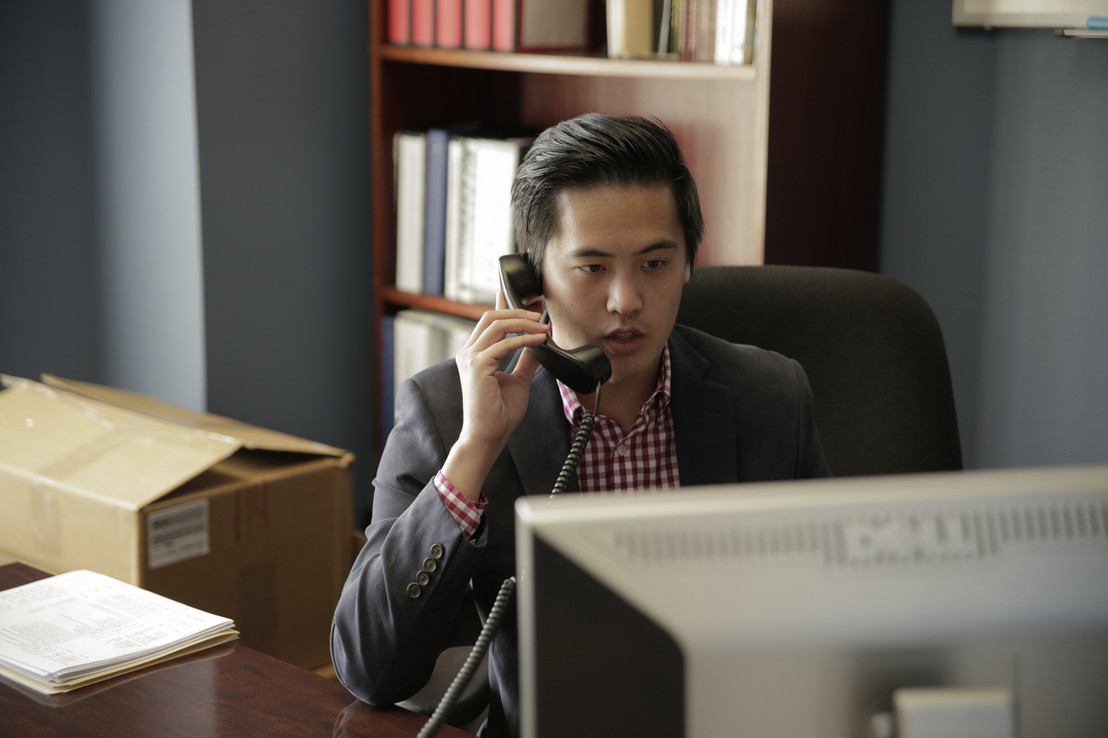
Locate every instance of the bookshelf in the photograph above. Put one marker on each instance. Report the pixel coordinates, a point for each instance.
(786, 151)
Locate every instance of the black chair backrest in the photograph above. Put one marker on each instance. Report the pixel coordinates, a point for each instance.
(871, 346)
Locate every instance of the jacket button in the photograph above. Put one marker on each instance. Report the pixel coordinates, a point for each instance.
(429, 564)
(423, 578)
(414, 590)
(437, 551)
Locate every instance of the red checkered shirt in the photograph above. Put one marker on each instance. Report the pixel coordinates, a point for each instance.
(644, 458)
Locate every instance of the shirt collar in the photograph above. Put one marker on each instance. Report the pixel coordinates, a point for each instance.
(658, 400)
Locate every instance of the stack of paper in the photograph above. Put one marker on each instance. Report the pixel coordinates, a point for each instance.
(81, 627)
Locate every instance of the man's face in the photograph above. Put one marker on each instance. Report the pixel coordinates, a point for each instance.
(613, 275)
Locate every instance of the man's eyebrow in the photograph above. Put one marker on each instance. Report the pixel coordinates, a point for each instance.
(659, 246)
(594, 253)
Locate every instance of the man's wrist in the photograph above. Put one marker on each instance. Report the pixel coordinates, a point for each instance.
(468, 465)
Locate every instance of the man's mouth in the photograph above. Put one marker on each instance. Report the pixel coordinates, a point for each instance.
(623, 341)
(623, 332)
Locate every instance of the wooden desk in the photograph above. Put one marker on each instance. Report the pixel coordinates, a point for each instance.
(229, 690)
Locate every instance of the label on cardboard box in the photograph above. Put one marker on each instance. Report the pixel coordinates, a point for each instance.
(177, 533)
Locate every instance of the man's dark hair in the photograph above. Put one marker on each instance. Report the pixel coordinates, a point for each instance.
(595, 149)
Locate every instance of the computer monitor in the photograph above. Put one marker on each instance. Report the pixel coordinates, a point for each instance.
(819, 608)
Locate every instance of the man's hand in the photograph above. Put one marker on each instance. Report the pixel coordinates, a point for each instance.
(493, 402)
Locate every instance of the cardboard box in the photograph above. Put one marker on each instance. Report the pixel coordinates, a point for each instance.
(234, 519)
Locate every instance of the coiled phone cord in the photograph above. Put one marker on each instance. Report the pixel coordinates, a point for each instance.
(580, 440)
(454, 691)
(492, 622)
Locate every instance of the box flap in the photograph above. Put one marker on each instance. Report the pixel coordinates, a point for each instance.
(250, 436)
(77, 443)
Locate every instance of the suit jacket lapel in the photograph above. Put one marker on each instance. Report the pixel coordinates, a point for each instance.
(703, 419)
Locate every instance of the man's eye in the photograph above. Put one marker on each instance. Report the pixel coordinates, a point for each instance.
(655, 264)
(592, 268)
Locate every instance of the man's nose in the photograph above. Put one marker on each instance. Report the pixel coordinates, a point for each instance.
(624, 294)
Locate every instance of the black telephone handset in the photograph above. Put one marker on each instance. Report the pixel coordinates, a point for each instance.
(581, 369)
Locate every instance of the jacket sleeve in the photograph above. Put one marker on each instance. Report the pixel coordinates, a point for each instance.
(810, 458)
(401, 602)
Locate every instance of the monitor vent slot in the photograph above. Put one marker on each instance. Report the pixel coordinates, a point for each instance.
(721, 542)
(1050, 523)
(878, 539)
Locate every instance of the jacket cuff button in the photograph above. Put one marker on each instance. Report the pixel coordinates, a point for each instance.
(414, 590)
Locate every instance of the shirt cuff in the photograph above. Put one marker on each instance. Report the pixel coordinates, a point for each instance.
(464, 510)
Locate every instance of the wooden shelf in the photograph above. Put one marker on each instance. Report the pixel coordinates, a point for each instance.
(434, 303)
(786, 151)
(572, 64)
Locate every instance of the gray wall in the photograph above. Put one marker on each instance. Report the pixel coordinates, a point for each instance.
(133, 132)
(996, 210)
(99, 204)
(148, 201)
(283, 102)
(50, 303)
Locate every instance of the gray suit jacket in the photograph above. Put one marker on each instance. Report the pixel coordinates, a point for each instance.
(740, 414)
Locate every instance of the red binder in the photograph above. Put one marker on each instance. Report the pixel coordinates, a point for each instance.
(478, 25)
(399, 22)
(448, 24)
(423, 22)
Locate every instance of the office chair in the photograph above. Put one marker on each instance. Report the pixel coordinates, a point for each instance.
(871, 346)
(874, 354)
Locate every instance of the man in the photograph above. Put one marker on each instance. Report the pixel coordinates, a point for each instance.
(609, 216)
